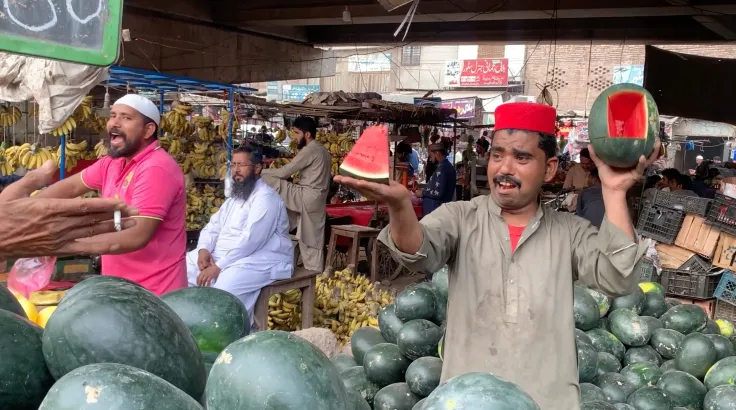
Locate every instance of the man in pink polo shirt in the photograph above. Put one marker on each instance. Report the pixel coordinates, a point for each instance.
(152, 253)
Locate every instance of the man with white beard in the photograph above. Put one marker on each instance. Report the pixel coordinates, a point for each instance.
(245, 245)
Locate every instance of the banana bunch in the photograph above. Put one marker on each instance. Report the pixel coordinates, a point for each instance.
(95, 123)
(284, 311)
(205, 129)
(175, 121)
(74, 151)
(281, 135)
(100, 149)
(201, 204)
(9, 116)
(66, 128)
(279, 162)
(222, 172)
(344, 302)
(225, 119)
(84, 110)
(28, 156)
(293, 147)
(5, 167)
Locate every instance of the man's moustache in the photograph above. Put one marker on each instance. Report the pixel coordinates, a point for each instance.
(507, 179)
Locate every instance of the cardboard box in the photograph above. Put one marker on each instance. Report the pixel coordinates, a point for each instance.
(725, 252)
(672, 256)
(697, 236)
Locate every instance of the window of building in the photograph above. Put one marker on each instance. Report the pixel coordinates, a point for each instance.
(411, 55)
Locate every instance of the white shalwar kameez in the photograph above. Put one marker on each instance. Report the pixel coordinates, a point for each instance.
(249, 241)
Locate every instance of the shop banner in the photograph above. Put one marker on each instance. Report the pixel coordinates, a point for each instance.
(482, 72)
(465, 107)
(297, 92)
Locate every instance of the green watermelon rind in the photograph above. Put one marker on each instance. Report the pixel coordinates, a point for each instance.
(723, 373)
(683, 389)
(479, 391)
(423, 375)
(696, 355)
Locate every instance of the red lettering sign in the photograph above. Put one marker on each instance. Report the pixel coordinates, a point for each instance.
(484, 72)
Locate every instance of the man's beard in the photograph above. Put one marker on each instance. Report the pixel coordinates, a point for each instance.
(129, 147)
(243, 189)
(302, 143)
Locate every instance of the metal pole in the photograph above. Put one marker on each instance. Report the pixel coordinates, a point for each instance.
(161, 108)
(454, 145)
(62, 160)
(230, 129)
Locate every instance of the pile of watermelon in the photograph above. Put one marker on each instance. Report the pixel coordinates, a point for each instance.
(643, 351)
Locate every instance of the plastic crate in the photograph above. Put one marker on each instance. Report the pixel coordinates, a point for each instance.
(645, 269)
(696, 264)
(726, 290)
(683, 283)
(725, 310)
(660, 223)
(687, 204)
(722, 214)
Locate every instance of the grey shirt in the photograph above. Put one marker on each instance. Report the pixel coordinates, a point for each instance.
(590, 205)
(510, 313)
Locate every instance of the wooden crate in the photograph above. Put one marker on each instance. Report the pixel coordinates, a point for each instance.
(725, 252)
(672, 256)
(697, 236)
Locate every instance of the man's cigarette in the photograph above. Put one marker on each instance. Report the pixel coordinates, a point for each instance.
(118, 221)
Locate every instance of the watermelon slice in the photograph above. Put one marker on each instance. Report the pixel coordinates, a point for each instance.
(623, 124)
(368, 160)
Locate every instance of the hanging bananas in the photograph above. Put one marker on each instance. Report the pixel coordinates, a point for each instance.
(28, 156)
(5, 167)
(225, 119)
(9, 116)
(175, 121)
(100, 150)
(84, 110)
(205, 129)
(201, 204)
(280, 135)
(66, 128)
(73, 152)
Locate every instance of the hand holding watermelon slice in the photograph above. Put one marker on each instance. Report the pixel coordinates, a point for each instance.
(621, 179)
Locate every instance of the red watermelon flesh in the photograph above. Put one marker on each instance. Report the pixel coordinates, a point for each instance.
(627, 115)
(368, 160)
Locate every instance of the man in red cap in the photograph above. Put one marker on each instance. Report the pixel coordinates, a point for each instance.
(512, 263)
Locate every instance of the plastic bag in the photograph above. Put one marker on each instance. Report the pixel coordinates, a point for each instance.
(31, 274)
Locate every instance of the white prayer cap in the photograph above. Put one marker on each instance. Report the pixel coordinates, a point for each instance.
(699, 157)
(142, 105)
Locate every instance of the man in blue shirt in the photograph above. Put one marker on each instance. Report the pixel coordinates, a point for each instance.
(440, 188)
(590, 202)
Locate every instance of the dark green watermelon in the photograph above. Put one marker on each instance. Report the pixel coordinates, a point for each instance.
(389, 323)
(653, 323)
(682, 389)
(384, 364)
(585, 310)
(604, 341)
(597, 405)
(358, 403)
(587, 362)
(666, 342)
(355, 380)
(440, 314)
(720, 398)
(10, 303)
(209, 359)
(615, 387)
(642, 354)
(24, 378)
(423, 375)
(363, 340)
(420, 404)
(623, 406)
(721, 373)
(274, 369)
(92, 281)
(396, 396)
(590, 392)
(479, 391)
(724, 347)
(415, 303)
(112, 321)
(634, 302)
(685, 318)
(604, 324)
(215, 317)
(419, 338)
(652, 287)
(668, 366)
(115, 386)
(649, 398)
(710, 328)
(441, 282)
(580, 336)
(642, 374)
(343, 361)
(602, 300)
(654, 305)
(696, 355)
(607, 363)
(629, 328)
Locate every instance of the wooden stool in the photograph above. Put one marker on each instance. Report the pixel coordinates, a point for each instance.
(356, 233)
(297, 252)
(304, 280)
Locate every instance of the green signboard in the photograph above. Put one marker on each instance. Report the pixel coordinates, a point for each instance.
(81, 31)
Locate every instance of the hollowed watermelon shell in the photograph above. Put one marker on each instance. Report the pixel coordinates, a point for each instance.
(368, 160)
(623, 125)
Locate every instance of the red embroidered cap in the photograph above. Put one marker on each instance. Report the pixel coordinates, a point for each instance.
(526, 116)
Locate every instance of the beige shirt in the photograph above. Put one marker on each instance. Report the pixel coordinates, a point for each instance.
(312, 163)
(510, 314)
(577, 177)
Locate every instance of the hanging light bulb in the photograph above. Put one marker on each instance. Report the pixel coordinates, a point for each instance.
(346, 17)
